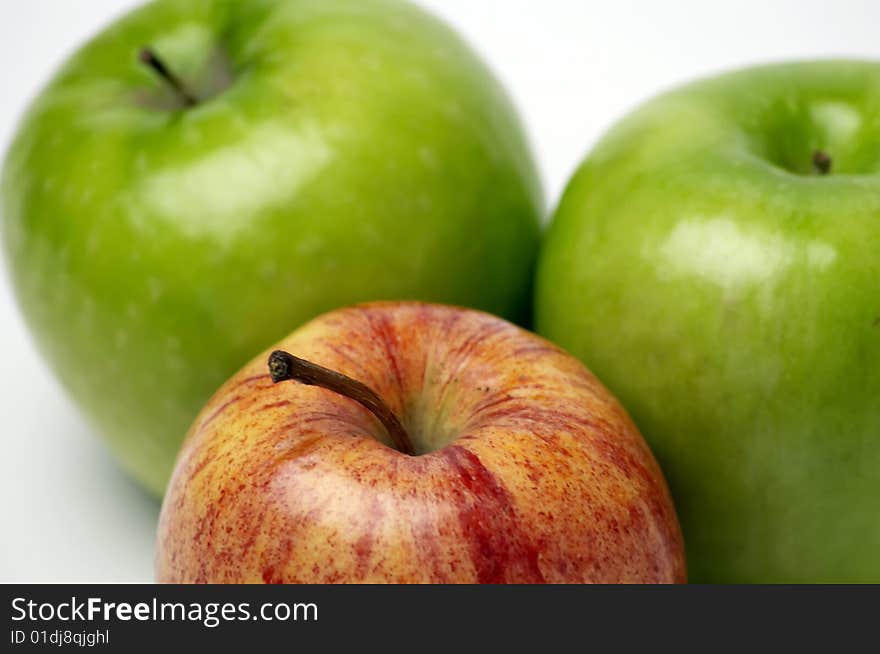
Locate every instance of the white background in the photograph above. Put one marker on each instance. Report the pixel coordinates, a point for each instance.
(573, 67)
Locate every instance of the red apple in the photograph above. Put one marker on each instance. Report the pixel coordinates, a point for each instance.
(523, 468)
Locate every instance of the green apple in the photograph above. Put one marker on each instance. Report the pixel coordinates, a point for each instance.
(206, 175)
(716, 262)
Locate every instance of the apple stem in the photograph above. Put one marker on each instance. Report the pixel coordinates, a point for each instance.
(150, 58)
(284, 366)
(821, 162)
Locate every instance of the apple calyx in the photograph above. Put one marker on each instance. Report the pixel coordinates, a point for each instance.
(149, 57)
(821, 162)
(284, 366)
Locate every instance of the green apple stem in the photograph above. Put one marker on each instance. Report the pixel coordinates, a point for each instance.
(821, 162)
(150, 58)
(284, 366)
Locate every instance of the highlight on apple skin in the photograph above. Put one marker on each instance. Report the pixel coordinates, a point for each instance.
(526, 469)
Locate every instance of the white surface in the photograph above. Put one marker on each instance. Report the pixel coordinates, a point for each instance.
(573, 67)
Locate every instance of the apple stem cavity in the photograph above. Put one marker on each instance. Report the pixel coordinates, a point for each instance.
(149, 57)
(821, 162)
(284, 366)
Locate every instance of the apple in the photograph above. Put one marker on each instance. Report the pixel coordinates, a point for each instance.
(716, 262)
(423, 443)
(205, 175)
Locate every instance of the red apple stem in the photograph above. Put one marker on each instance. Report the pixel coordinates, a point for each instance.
(822, 162)
(149, 57)
(284, 366)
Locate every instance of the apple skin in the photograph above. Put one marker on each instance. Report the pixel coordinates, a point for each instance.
(349, 151)
(695, 246)
(528, 470)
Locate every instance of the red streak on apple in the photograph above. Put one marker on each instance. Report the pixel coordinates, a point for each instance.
(488, 518)
(528, 470)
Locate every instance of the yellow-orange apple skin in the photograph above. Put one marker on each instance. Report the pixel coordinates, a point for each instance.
(528, 470)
